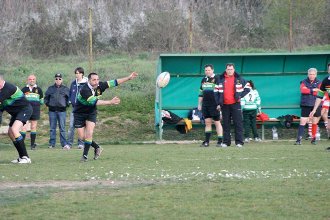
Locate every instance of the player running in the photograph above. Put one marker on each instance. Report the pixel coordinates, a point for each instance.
(13, 101)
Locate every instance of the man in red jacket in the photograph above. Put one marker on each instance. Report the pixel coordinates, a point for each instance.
(309, 88)
(229, 89)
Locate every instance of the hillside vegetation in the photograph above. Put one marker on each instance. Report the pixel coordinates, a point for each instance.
(47, 28)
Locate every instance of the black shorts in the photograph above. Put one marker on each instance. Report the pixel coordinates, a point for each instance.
(306, 110)
(23, 115)
(35, 114)
(211, 112)
(80, 119)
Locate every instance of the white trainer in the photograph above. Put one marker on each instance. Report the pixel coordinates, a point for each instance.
(257, 139)
(80, 146)
(247, 140)
(224, 145)
(16, 160)
(239, 145)
(66, 147)
(24, 159)
(97, 152)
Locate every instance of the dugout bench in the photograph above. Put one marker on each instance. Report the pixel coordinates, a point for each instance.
(276, 76)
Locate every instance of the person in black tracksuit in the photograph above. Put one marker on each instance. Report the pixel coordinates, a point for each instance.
(228, 92)
(208, 105)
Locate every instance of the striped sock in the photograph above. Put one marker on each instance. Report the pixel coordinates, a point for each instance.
(300, 132)
(21, 147)
(16, 144)
(87, 145)
(314, 129)
(23, 133)
(219, 139)
(33, 137)
(208, 136)
(95, 145)
(310, 129)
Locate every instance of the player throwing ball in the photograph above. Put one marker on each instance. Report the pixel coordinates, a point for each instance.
(85, 109)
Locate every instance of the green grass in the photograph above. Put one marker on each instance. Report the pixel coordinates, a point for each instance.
(270, 180)
(132, 120)
(107, 66)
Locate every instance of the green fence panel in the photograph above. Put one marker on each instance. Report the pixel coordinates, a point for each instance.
(181, 93)
(219, 62)
(301, 63)
(181, 65)
(262, 64)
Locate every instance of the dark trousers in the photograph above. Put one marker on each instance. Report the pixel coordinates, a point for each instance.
(249, 122)
(232, 112)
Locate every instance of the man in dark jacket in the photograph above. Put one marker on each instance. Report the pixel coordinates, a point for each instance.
(230, 88)
(57, 100)
(75, 87)
(309, 88)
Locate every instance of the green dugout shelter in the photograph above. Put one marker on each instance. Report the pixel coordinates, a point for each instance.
(276, 76)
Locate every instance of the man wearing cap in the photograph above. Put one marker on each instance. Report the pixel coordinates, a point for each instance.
(57, 100)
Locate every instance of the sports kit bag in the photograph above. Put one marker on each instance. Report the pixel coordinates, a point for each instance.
(262, 117)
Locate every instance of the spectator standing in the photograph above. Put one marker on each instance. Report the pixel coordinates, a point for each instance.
(57, 101)
(309, 88)
(230, 88)
(208, 106)
(34, 95)
(13, 101)
(251, 105)
(74, 91)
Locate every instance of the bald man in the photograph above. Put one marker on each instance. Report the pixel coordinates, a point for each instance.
(35, 96)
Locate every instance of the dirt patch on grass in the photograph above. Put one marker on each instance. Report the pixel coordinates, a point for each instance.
(61, 184)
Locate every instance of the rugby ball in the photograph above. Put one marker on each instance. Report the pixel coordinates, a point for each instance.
(163, 79)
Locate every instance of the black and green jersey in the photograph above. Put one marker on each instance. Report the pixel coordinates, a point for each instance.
(325, 87)
(87, 97)
(12, 99)
(206, 91)
(34, 95)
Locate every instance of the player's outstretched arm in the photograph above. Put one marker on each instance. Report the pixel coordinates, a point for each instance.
(114, 101)
(125, 79)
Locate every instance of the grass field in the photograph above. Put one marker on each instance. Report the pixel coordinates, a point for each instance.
(269, 180)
